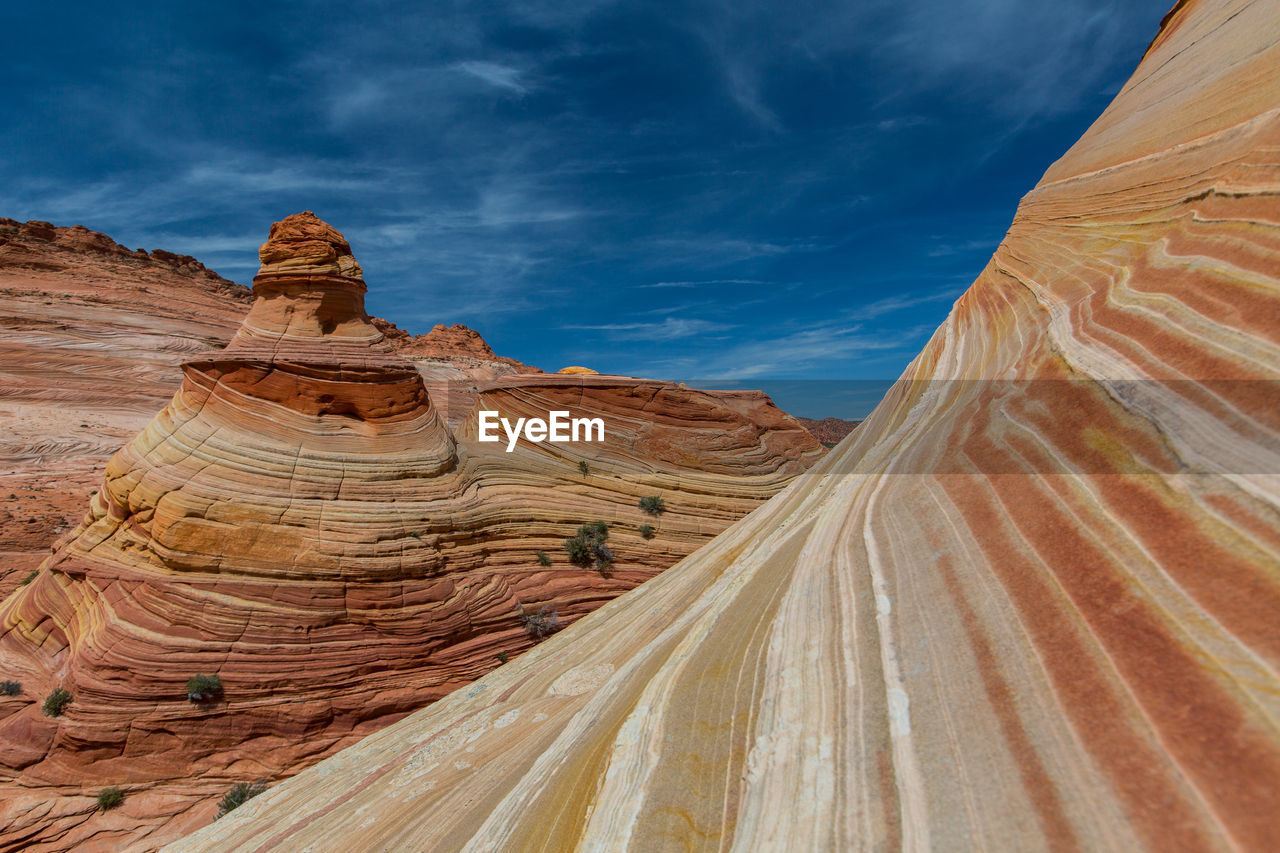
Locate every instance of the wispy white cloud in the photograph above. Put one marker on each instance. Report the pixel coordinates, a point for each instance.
(670, 329)
(495, 74)
(796, 353)
(1008, 57)
(502, 206)
(901, 122)
(943, 249)
(236, 174)
(744, 87)
(700, 283)
(718, 249)
(356, 97)
(891, 304)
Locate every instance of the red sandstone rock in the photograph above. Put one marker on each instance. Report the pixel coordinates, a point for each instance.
(395, 335)
(301, 520)
(458, 345)
(89, 342)
(304, 243)
(452, 340)
(829, 431)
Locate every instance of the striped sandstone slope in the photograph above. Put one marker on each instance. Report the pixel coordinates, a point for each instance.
(1031, 603)
(91, 334)
(301, 521)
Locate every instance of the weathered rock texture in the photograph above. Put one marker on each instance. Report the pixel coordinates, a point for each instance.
(455, 344)
(301, 521)
(829, 431)
(1031, 603)
(90, 339)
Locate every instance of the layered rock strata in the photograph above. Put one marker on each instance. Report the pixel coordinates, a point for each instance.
(1030, 603)
(90, 339)
(300, 521)
(90, 342)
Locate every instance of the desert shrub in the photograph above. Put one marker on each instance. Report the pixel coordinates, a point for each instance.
(240, 793)
(646, 530)
(55, 702)
(588, 548)
(29, 578)
(543, 559)
(653, 505)
(542, 624)
(203, 688)
(109, 798)
(579, 551)
(502, 657)
(10, 688)
(584, 467)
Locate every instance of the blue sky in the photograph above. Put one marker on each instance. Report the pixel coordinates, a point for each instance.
(739, 191)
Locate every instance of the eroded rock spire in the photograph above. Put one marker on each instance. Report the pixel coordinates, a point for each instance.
(304, 244)
(310, 297)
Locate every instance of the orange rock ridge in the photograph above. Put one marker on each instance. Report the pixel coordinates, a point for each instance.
(302, 521)
(1030, 603)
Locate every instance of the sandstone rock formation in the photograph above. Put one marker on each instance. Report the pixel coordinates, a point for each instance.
(301, 521)
(1031, 603)
(456, 344)
(90, 340)
(829, 431)
(89, 345)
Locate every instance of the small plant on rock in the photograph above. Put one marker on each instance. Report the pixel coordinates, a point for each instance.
(240, 793)
(502, 657)
(587, 548)
(109, 798)
(204, 688)
(646, 530)
(584, 467)
(543, 559)
(55, 702)
(542, 624)
(653, 505)
(10, 688)
(29, 578)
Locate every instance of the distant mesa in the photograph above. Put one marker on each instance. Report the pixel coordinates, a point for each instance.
(575, 370)
(448, 342)
(43, 246)
(459, 340)
(829, 431)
